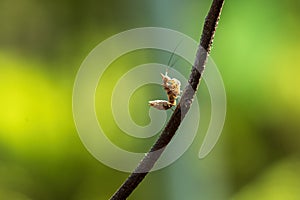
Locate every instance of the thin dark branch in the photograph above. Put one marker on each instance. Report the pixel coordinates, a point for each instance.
(182, 108)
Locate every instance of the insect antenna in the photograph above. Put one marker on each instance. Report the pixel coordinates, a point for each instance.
(173, 53)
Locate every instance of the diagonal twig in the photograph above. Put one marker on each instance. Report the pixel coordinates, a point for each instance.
(208, 32)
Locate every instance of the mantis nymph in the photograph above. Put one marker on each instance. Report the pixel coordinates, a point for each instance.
(172, 88)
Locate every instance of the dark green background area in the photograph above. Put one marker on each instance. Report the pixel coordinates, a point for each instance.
(256, 48)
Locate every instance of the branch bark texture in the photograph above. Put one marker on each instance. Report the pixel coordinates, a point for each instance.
(182, 108)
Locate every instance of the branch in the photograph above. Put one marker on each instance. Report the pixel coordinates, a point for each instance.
(182, 108)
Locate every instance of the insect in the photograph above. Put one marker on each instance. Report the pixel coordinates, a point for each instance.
(172, 88)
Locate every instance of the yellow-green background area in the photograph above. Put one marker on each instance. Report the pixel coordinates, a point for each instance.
(256, 48)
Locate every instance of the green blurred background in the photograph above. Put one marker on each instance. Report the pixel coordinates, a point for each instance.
(42, 44)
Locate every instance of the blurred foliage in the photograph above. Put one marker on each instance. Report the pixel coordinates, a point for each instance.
(42, 44)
